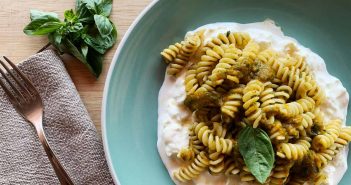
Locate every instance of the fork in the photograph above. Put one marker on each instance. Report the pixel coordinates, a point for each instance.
(27, 101)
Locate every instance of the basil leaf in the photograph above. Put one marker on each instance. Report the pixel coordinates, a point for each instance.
(84, 48)
(36, 14)
(42, 26)
(91, 5)
(103, 24)
(57, 38)
(79, 5)
(69, 47)
(101, 7)
(104, 7)
(257, 151)
(113, 35)
(72, 49)
(83, 12)
(86, 17)
(99, 43)
(53, 38)
(75, 28)
(96, 42)
(95, 60)
(70, 16)
(86, 32)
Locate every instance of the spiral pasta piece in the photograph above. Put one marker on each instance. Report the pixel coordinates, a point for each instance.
(189, 47)
(293, 132)
(231, 167)
(299, 81)
(344, 137)
(275, 64)
(268, 95)
(232, 102)
(225, 87)
(283, 93)
(208, 62)
(320, 178)
(322, 158)
(281, 172)
(177, 65)
(307, 103)
(267, 56)
(318, 117)
(307, 120)
(295, 79)
(233, 75)
(327, 139)
(246, 176)
(292, 109)
(251, 105)
(277, 133)
(221, 39)
(170, 53)
(300, 63)
(186, 154)
(239, 39)
(213, 142)
(293, 151)
(316, 93)
(303, 122)
(220, 72)
(206, 87)
(188, 173)
(191, 83)
(194, 143)
(250, 52)
(218, 128)
(216, 163)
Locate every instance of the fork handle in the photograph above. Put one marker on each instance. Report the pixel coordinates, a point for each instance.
(58, 168)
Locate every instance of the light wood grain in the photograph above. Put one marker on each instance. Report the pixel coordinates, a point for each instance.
(14, 15)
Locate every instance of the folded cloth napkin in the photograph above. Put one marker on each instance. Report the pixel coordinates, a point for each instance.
(69, 129)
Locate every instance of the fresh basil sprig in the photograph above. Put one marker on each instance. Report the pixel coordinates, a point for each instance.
(257, 151)
(86, 32)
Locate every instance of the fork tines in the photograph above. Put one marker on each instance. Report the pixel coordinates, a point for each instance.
(21, 87)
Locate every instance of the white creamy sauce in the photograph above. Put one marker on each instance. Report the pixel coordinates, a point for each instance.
(174, 118)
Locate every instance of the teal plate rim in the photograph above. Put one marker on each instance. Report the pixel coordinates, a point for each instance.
(107, 85)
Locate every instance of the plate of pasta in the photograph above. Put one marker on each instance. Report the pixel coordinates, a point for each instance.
(231, 92)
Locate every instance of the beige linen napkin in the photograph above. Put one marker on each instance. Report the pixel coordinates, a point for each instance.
(69, 130)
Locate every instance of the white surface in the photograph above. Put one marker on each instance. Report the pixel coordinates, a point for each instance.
(174, 119)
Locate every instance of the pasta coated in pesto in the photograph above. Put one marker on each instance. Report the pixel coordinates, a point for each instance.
(231, 82)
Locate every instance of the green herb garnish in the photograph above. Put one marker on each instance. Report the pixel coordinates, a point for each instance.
(257, 151)
(86, 32)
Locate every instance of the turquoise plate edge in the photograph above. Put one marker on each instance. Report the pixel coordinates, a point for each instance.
(117, 145)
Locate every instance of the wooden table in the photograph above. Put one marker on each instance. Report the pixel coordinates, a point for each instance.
(14, 15)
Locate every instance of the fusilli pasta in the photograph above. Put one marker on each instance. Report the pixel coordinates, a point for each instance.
(251, 104)
(294, 151)
(188, 49)
(200, 164)
(232, 82)
(213, 142)
(327, 139)
(232, 102)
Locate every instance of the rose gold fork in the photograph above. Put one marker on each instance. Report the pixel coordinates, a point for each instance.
(26, 100)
